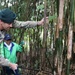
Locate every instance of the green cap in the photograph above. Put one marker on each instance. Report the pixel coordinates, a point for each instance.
(7, 16)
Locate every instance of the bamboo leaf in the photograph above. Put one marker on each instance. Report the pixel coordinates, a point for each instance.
(52, 17)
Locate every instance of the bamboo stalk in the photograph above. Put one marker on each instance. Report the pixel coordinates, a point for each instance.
(69, 51)
(70, 36)
(60, 27)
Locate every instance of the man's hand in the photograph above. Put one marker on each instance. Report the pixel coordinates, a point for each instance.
(42, 21)
(13, 66)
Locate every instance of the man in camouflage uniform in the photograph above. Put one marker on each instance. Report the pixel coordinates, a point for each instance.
(7, 20)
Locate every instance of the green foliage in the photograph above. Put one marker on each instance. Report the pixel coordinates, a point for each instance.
(33, 37)
(52, 17)
(40, 7)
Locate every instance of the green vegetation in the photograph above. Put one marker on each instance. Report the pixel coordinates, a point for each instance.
(49, 48)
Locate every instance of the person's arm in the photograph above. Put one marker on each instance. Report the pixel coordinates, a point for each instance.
(3, 61)
(23, 24)
(28, 24)
(6, 62)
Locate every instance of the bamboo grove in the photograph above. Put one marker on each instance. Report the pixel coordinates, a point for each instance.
(49, 49)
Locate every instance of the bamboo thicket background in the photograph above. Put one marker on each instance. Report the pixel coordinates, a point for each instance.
(49, 49)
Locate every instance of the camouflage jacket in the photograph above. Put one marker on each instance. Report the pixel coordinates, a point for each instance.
(17, 24)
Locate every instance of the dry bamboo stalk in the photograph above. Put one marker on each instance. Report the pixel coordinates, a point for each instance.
(60, 27)
(70, 36)
(60, 18)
